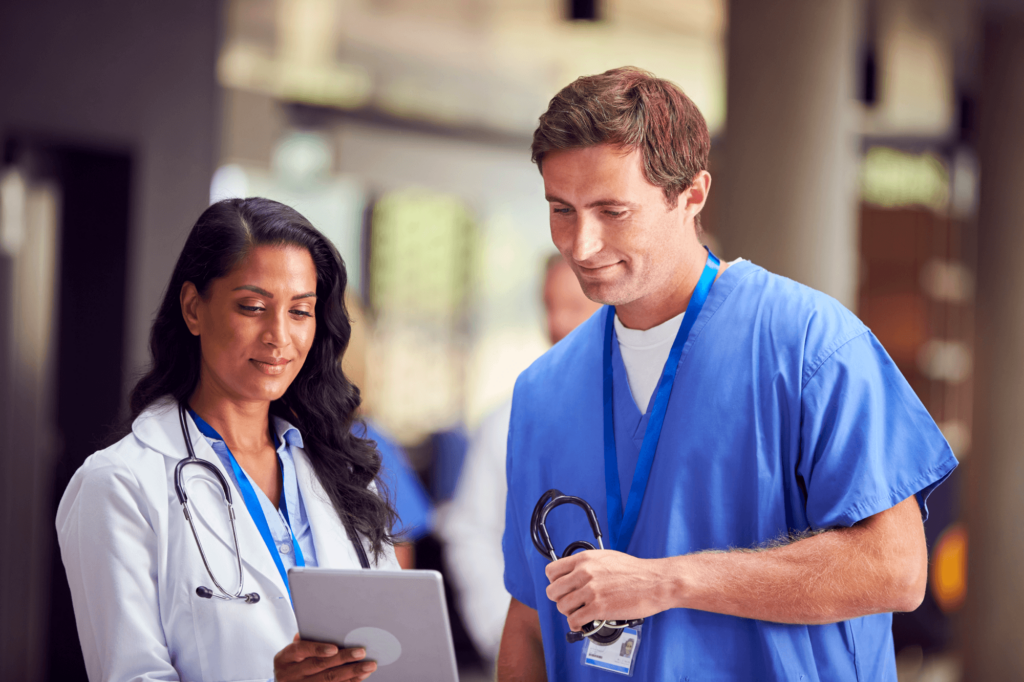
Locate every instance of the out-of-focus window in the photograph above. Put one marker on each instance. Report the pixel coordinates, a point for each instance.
(421, 251)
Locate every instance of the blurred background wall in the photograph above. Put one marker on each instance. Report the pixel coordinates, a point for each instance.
(108, 126)
(870, 149)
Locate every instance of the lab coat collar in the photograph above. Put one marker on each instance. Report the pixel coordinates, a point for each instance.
(158, 428)
(333, 546)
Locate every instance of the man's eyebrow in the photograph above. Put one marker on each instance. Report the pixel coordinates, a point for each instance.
(264, 292)
(611, 202)
(593, 204)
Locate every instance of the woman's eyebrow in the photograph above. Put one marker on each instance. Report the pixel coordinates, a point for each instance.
(254, 288)
(264, 292)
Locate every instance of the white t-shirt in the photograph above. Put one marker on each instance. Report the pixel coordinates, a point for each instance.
(644, 353)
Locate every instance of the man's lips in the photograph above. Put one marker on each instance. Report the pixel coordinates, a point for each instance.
(271, 366)
(597, 269)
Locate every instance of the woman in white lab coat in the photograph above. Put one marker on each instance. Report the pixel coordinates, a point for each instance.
(245, 362)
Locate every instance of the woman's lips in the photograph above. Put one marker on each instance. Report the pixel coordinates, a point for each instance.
(270, 367)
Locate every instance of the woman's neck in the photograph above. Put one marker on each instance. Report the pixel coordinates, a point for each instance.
(244, 425)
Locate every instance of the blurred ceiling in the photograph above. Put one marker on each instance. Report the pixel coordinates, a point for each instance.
(485, 63)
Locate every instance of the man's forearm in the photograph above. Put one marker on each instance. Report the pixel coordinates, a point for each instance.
(521, 656)
(832, 576)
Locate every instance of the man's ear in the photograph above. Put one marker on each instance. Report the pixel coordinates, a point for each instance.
(189, 298)
(695, 196)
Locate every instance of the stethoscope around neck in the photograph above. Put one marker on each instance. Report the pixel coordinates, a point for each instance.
(603, 632)
(179, 489)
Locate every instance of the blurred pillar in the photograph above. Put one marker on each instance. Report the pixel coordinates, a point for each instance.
(995, 514)
(789, 195)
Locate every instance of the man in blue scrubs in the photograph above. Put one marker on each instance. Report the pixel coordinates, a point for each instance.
(758, 465)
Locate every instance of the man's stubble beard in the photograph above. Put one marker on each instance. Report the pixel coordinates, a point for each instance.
(627, 289)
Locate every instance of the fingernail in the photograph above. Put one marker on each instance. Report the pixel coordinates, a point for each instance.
(329, 650)
(358, 653)
(368, 667)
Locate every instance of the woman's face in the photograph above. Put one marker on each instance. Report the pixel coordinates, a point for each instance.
(255, 324)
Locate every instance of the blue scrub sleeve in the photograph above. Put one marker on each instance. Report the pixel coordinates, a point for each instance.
(407, 493)
(867, 441)
(518, 580)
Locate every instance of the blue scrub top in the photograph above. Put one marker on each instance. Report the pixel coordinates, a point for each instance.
(406, 492)
(787, 415)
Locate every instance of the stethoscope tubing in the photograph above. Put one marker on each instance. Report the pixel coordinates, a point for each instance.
(179, 488)
(542, 542)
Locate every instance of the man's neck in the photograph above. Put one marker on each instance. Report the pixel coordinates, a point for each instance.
(662, 305)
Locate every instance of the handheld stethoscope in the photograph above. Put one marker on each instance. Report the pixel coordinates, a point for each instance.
(179, 488)
(603, 632)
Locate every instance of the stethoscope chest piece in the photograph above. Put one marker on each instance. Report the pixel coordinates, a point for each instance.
(603, 632)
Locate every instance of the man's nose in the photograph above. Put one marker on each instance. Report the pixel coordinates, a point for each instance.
(588, 241)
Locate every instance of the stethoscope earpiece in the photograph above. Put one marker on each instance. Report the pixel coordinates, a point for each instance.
(603, 632)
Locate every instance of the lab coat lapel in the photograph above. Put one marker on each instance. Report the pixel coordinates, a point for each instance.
(160, 430)
(333, 547)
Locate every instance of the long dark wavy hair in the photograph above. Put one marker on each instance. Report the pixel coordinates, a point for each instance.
(321, 402)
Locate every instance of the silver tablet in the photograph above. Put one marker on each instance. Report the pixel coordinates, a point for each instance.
(400, 618)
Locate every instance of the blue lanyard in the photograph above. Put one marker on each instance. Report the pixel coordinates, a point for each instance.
(252, 503)
(621, 525)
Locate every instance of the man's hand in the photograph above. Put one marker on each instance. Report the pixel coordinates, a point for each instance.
(607, 585)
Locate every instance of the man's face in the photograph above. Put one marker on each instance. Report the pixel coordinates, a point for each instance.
(614, 228)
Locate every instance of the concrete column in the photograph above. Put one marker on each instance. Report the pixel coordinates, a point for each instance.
(995, 502)
(789, 199)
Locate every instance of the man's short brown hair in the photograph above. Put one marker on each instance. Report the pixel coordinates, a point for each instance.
(632, 108)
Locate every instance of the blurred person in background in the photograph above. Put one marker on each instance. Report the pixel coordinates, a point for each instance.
(780, 522)
(476, 518)
(247, 391)
(409, 497)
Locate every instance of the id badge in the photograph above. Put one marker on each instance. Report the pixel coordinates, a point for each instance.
(617, 657)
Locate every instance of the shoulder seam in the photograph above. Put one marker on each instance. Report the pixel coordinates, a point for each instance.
(711, 314)
(830, 351)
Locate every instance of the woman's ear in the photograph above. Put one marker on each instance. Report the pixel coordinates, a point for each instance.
(189, 298)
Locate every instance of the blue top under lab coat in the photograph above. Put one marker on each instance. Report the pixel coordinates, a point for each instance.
(786, 415)
(281, 528)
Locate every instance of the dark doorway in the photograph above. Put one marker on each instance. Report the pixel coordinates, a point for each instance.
(95, 189)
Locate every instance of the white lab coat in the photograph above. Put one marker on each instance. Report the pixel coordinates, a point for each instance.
(133, 565)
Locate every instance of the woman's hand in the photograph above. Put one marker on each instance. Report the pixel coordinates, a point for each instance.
(319, 662)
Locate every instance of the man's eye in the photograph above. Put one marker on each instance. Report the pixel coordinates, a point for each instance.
(561, 211)
(615, 214)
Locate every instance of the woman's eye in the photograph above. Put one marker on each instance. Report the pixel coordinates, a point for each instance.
(252, 308)
(302, 313)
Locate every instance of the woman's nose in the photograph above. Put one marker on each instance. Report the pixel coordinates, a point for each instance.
(276, 332)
